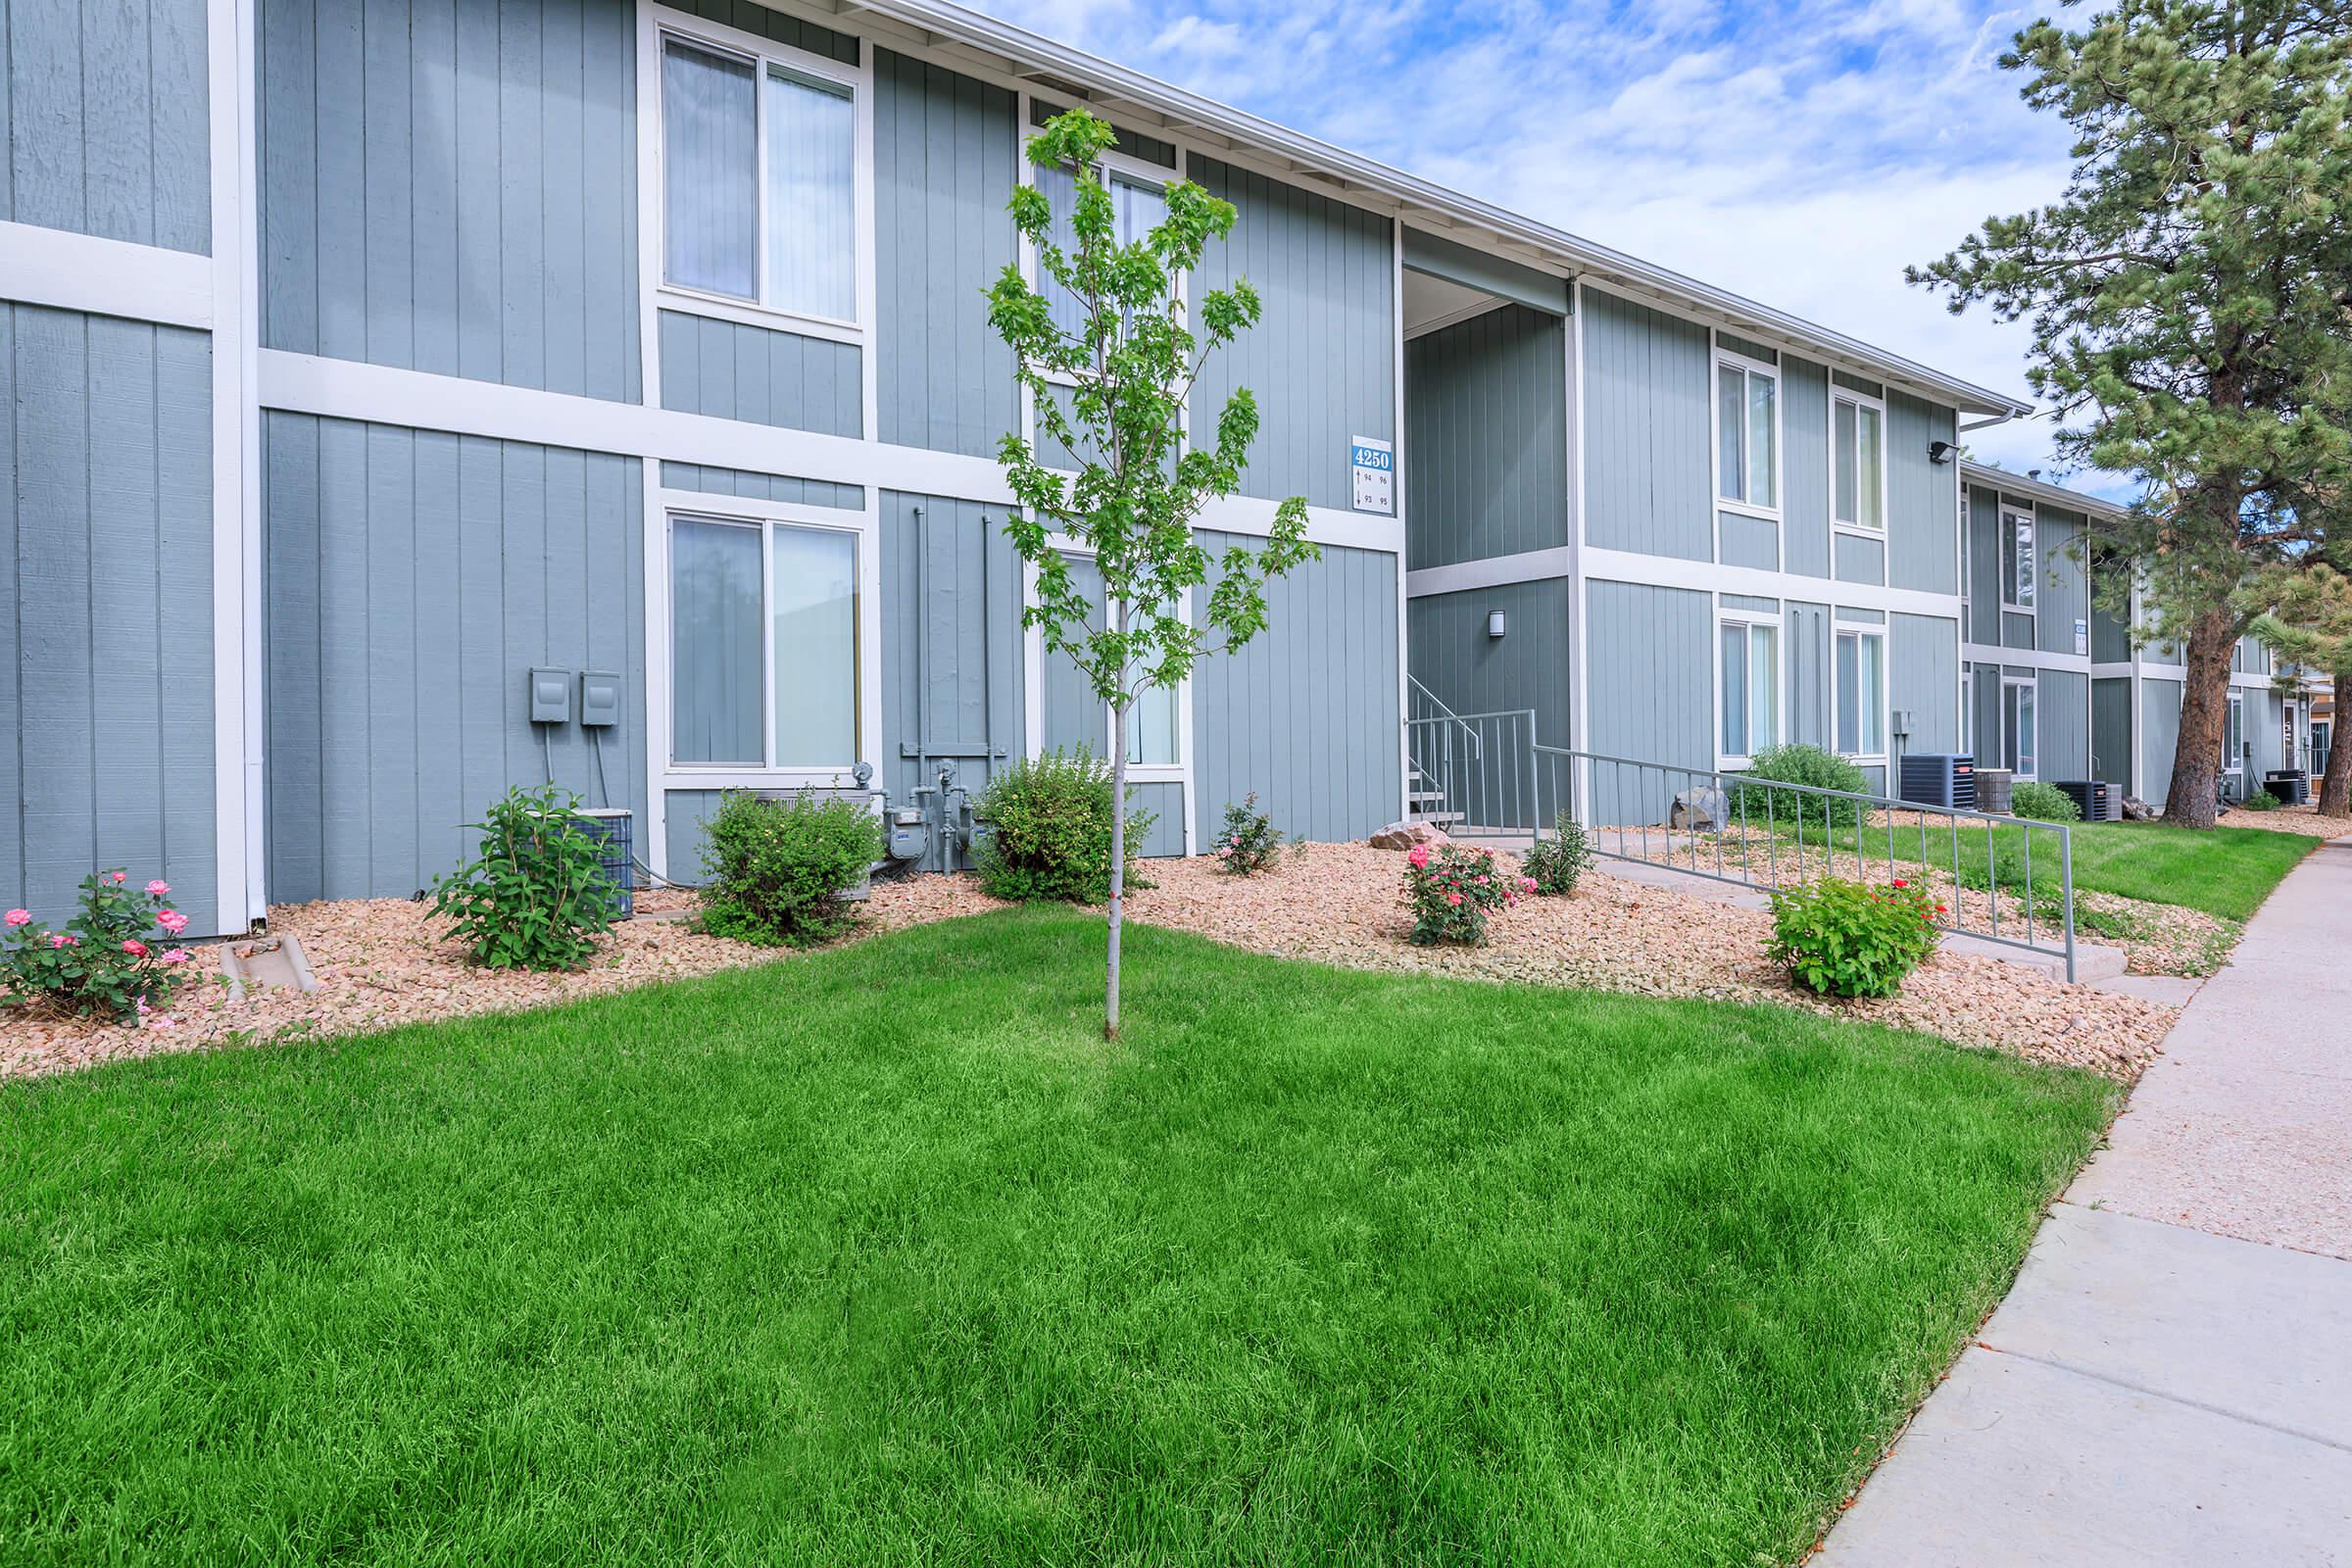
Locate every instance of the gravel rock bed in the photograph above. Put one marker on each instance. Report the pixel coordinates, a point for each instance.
(1342, 904)
(2303, 819)
(380, 962)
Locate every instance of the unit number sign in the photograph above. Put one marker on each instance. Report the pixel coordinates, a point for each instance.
(1374, 465)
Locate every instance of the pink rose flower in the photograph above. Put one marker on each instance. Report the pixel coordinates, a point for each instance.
(1419, 857)
(135, 947)
(119, 877)
(60, 939)
(1453, 898)
(20, 918)
(175, 955)
(159, 888)
(172, 921)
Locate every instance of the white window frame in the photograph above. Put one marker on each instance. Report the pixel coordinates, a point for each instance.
(866, 700)
(1885, 714)
(1747, 621)
(1968, 712)
(762, 54)
(2032, 686)
(2005, 557)
(1735, 360)
(2233, 753)
(1860, 400)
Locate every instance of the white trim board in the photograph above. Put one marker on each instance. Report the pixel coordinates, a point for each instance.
(2036, 658)
(342, 389)
(70, 271)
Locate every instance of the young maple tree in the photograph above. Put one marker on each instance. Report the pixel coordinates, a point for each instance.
(1108, 348)
(2187, 294)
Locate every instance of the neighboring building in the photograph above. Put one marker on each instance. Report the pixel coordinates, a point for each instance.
(362, 360)
(2058, 690)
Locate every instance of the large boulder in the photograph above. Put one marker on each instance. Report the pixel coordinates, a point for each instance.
(1404, 835)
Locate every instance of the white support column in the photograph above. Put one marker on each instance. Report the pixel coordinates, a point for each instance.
(237, 695)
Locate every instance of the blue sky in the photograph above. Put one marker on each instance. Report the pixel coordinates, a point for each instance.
(1798, 153)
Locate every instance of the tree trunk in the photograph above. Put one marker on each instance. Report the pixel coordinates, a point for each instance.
(2204, 721)
(1118, 845)
(2335, 785)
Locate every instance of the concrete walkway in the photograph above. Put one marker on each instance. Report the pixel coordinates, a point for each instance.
(2171, 1380)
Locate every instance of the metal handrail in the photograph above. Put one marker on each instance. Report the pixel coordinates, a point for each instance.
(1736, 791)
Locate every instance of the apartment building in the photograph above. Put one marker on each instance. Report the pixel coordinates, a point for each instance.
(411, 399)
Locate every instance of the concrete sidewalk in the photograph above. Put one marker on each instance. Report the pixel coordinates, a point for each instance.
(2171, 1380)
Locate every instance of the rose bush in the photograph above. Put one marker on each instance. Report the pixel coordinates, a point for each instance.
(119, 960)
(1454, 891)
(1249, 842)
(1848, 938)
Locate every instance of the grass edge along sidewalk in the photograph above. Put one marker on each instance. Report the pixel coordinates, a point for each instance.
(885, 1255)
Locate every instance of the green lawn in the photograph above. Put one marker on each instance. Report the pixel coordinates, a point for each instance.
(883, 1257)
(2225, 871)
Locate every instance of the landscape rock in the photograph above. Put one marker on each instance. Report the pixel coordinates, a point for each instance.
(1404, 835)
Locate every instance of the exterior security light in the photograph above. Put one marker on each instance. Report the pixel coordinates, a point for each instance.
(1494, 623)
(1941, 452)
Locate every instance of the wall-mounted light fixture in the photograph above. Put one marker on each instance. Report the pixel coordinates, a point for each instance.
(1941, 452)
(1494, 623)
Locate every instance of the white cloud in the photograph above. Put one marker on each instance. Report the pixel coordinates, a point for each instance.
(1799, 153)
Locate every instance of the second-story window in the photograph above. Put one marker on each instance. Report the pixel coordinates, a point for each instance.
(2017, 560)
(1858, 461)
(1747, 433)
(759, 173)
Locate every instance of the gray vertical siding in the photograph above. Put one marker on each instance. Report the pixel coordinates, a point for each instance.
(106, 528)
(1922, 658)
(2062, 724)
(946, 160)
(1745, 541)
(1305, 712)
(1805, 466)
(2160, 712)
(105, 119)
(1652, 690)
(1073, 719)
(1859, 560)
(411, 579)
(1806, 642)
(1321, 359)
(1984, 565)
(951, 640)
(2063, 594)
(1485, 438)
(1648, 472)
(2018, 628)
(1449, 650)
(748, 16)
(1923, 526)
(2111, 731)
(451, 186)
(1985, 691)
(761, 486)
(734, 371)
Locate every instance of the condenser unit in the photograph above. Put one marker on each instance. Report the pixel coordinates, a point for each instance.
(1993, 789)
(1939, 778)
(2097, 800)
(2292, 788)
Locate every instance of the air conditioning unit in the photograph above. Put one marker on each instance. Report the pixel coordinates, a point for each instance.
(1939, 778)
(2097, 800)
(2292, 788)
(1993, 789)
(613, 827)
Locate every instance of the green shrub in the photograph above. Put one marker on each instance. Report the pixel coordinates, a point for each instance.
(1554, 863)
(1795, 763)
(1049, 832)
(1846, 939)
(120, 960)
(2043, 802)
(777, 869)
(1455, 891)
(537, 896)
(2261, 799)
(1249, 842)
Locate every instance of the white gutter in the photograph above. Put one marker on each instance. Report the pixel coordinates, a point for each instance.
(1030, 55)
(1989, 477)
